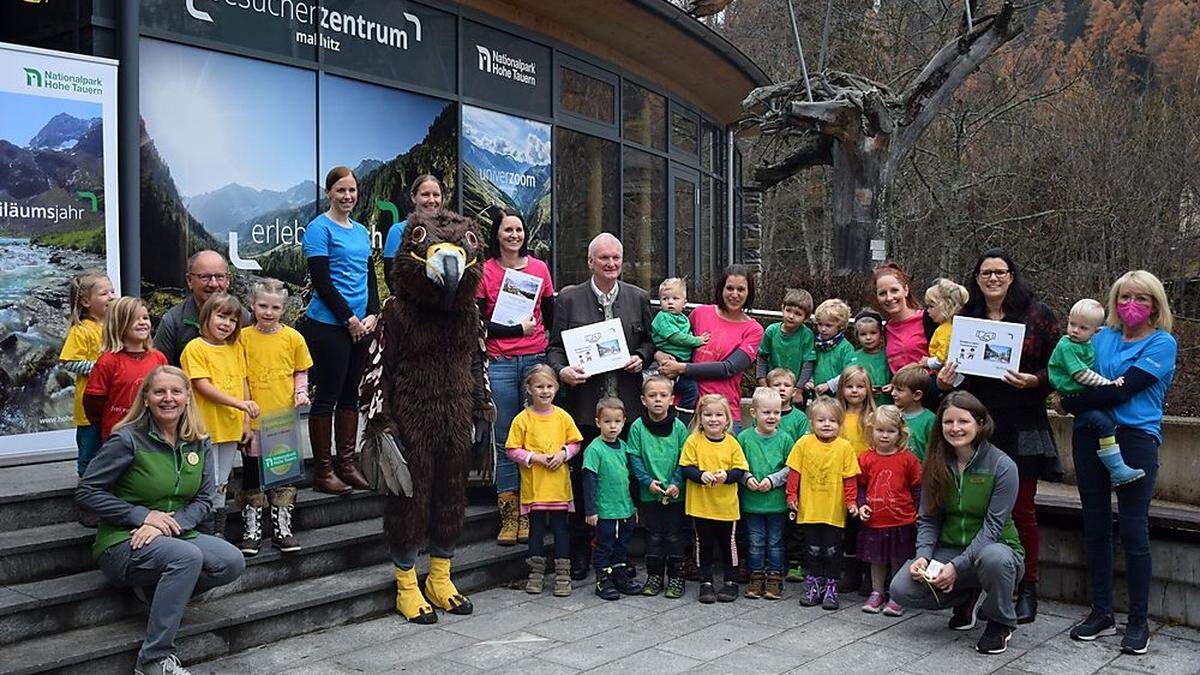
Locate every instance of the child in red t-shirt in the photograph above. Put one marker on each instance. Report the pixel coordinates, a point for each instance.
(127, 357)
(888, 496)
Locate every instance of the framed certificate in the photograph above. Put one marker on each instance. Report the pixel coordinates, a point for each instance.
(986, 348)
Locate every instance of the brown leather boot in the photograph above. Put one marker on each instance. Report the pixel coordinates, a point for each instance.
(346, 423)
(320, 435)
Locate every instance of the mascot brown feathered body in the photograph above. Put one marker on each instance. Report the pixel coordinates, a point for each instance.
(426, 403)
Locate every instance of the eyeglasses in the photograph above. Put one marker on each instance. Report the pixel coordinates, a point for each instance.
(995, 274)
(209, 277)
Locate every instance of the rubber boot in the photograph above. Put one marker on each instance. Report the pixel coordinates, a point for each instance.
(1118, 471)
(409, 601)
(523, 529)
(320, 434)
(537, 575)
(442, 592)
(252, 515)
(346, 424)
(562, 577)
(507, 503)
(1027, 601)
(283, 503)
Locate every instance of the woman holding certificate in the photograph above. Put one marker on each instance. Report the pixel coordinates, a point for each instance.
(1017, 400)
(1137, 345)
(516, 298)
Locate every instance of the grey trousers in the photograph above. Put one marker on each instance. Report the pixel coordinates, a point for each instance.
(176, 569)
(996, 571)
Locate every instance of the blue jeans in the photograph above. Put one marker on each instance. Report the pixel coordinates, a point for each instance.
(87, 439)
(506, 374)
(1099, 421)
(688, 392)
(1140, 451)
(765, 532)
(612, 542)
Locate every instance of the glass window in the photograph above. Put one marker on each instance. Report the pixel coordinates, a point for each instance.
(587, 96)
(644, 227)
(708, 147)
(684, 132)
(643, 116)
(586, 182)
(708, 235)
(685, 230)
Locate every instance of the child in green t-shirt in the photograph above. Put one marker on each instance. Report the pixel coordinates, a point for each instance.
(833, 349)
(607, 504)
(910, 384)
(868, 328)
(654, 443)
(793, 423)
(1071, 372)
(789, 343)
(672, 333)
(762, 495)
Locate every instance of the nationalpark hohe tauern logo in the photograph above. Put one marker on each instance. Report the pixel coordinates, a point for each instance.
(332, 24)
(38, 78)
(508, 67)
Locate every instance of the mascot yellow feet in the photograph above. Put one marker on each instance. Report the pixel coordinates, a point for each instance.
(441, 591)
(409, 601)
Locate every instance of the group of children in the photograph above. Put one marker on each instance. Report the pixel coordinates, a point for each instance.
(237, 373)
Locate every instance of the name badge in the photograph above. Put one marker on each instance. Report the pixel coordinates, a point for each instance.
(193, 458)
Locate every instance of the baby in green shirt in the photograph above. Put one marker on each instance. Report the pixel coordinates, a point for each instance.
(1071, 372)
(672, 333)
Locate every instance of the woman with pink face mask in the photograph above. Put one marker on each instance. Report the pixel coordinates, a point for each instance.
(1136, 343)
(998, 291)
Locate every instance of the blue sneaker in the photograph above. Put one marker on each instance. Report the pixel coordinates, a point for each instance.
(1137, 638)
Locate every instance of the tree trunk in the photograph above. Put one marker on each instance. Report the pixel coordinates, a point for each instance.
(857, 190)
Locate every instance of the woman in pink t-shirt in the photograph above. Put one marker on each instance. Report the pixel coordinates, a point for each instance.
(906, 330)
(717, 366)
(512, 350)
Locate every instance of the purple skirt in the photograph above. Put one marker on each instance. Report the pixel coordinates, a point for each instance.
(887, 545)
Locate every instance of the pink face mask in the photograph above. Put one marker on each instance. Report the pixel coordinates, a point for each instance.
(1133, 313)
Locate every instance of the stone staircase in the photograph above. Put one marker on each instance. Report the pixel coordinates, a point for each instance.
(57, 613)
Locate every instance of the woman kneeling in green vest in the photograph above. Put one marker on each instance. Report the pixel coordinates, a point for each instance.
(151, 483)
(966, 540)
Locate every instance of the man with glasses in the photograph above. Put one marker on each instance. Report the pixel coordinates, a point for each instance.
(207, 273)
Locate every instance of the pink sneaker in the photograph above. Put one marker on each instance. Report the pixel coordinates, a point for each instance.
(893, 608)
(874, 603)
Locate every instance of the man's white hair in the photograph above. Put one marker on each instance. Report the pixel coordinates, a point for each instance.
(604, 238)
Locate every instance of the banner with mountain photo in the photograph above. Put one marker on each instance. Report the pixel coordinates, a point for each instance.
(228, 162)
(506, 163)
(58, 217)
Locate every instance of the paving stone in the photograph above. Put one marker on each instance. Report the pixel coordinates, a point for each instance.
(506, 649)
(580, 598)
(494, 624)
(596, 650)
(923, 633)
(570, 627)
(649, 662)
(818, 638)
(756, 659)
(1167, 655)
(719, 639)
(426, 642)
(680, 620)
(1181, 632)
(960, 657)
(861, 657)
(430, 666)
(533, 667)
(785, 614)
(1055, 657)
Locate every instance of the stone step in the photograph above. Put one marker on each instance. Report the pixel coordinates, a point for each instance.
(234, 622)
(47, 551)
(85, 598)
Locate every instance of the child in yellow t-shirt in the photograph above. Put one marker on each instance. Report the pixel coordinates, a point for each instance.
(714, 462)
(943, 300)
(541, 440)
(821, 490)
(216, 364)
(854, 393)
(90, 294)
(277, 363)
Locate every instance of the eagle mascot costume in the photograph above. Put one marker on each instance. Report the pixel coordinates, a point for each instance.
(426, 405)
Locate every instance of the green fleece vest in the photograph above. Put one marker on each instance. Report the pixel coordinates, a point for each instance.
(160, 478)
(966, 507)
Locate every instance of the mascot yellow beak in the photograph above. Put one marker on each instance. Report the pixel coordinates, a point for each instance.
(444, 265)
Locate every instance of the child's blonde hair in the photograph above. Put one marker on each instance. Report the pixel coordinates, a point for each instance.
(82, 285)
(947, 297)
(122, 313)
(609, 403)
(798, 298)
(223, 304)
(828, 404)
(834, 310)
(1089, 310)
(913, 378)
(268, 286)
(705, 401)
(672, 284)
(868, 404)
(191, 424)
(765, 396)
(781, 372)
(540, 370)
(891, 416)
(658, 379)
